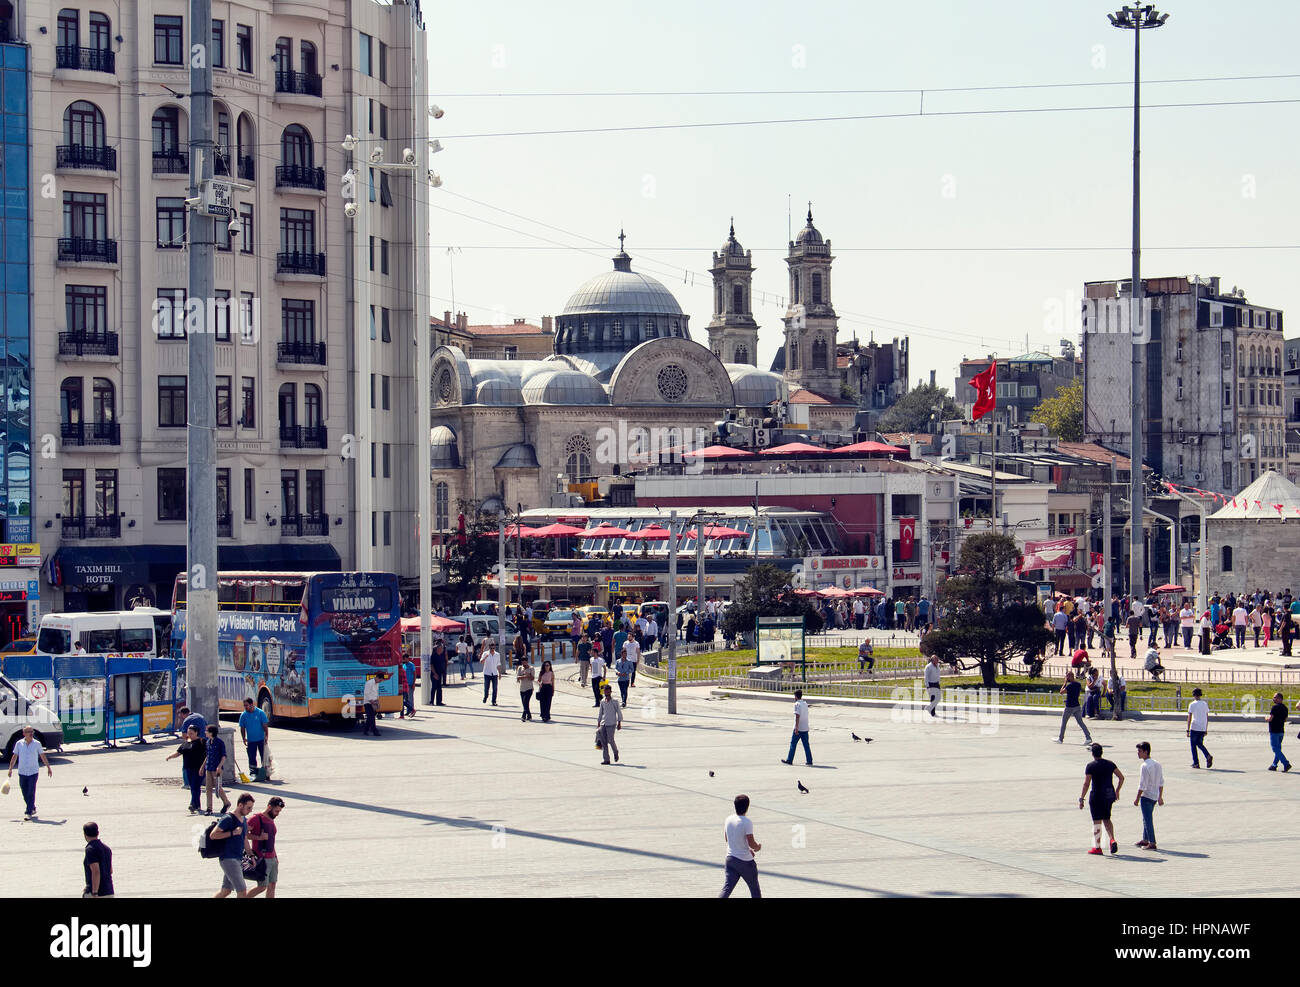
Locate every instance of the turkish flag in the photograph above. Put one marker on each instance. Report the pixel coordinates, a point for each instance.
(1097, 559)
(985, 385)
(460, 530)
(906, 537)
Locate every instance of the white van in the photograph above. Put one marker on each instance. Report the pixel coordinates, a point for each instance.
(144, 632)
(17, 711)
(478, 628)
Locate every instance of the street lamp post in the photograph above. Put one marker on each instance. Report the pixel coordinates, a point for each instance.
(1137, 18)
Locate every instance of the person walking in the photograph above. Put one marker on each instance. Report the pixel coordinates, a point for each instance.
(1286, 631)
(490, 662)
(437, 675)
(1100, 775)
(1060, 624)
(190, 719)
(1276, 725)
(1256, 621)
(261, 840)
(584, 660)
(1266, 619)
(231, 831)
(800, 729)
(608, 721)
(623, 668)
(254, 729)
(932, 680)
(546, 690)
(525, 676)
(405, 685)
(28, 756)
(214, 765)
(97, 864)
(1151, 792)
(370, 698)
(1187, 622)
(1070, 690)
(1134, 625)
(463, 655)
(740, 865)
(193, 752)
(597, 677)
(1239, 625)
(1198, 725)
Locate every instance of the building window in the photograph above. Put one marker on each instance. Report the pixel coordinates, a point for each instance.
(289, 493)
(372, 253)
(794, 288)
(83, 123)
(511, 352)
(819, 348)
(70, 401)
(223, 402)
(307, 58)
(1029, 391)
(616, 331)
(742, 354)
(85, 215)
(250, 494)
(244, 44)
(218, 52)
(372, 322)
(383, 256)
(106, 494)
(383, 121)
(86, 308)
(385, 191)
(316, 493)
(816, 288)
(383, 62)
(577, 458)
(171, 494)
(372, 392)
(296, 148)
(246, 221)
(221, 313)
(171, 223)
(365, 66)
(1227, 395)
(103, 407)
(74, 493)
(737, 298)
(69, 32)
(298, 231)
(374, 527)
(383, 391)
(248, 403)
(1227, 558)
(388, 527)
(171, 402)
(387, 466)
(169, 320)
(168, 40)
(385, 333)
(441, 502)
(298, 320)
(312, 408)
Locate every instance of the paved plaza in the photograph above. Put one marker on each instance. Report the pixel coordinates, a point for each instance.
(469, 801)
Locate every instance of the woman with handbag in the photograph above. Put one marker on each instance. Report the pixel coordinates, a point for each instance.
(525, 677)
(546, 690)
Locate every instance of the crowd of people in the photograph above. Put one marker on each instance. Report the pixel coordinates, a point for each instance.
(903, 614)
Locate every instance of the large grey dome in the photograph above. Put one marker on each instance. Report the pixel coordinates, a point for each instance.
(622, 293)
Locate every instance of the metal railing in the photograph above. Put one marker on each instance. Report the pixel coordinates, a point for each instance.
(225, 526)
(246, 167)
(85, 59)
(303, 525)
(300, 176)
(171, 163)
(296, 351)
(298, 83)
(84, 156)
(91, 433)
(88, 344)
(81, 526)
(80, 249)
(303, 436)
(300, 262)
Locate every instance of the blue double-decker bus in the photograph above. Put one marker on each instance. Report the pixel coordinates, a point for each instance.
(302, 644)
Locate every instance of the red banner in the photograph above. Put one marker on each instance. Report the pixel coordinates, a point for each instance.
(1055, 554)
(906, 537)
(986, 385)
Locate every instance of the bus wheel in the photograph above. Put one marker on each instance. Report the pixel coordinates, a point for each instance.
(264, 701)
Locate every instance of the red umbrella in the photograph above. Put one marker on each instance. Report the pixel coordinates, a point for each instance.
(867, 591)
(439, 625)
(717, 531)
(554, 531)
(604, 530)
(653, 533)
(716, 452)
(835, 593)
(862, 447)
(1170, 588)
(792, 447)
(519, 530)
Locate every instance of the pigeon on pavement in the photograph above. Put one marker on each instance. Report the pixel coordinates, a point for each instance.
(801, 788)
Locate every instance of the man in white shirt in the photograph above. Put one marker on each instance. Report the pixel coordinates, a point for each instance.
(800, 729)
(1198, 725)
(1239, 625)
(370, 696)
(741, 847)
(652, 632)
(491, 663)
(1186, 622)
(1151, 792)
(28, 756)
(608, 721)
(932, 679)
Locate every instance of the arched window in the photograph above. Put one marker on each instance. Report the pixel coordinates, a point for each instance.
(719, 308)
(794, 288)
(737, 298)
(70, 401)
(1241, 359)
(295, 147)
(1227, 559)
(819, 351)
(100, 31)
(793, 348)
(577, 458)
(166, 131)
(816, 288)
(1253, 363)
(307, 58)
(223, 135)
(311, 406)
(69, 35)
(83, 124)
(245, 136)
(742, 354)
(283, 56)
(103, 401)
(441, 513)
(288, 405)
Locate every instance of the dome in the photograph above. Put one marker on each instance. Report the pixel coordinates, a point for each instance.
(498, 391)
(732, 247)
(445, 451)
(518, 456)
(755, 388)
(809, 233)
(620, 293)
(564, 387)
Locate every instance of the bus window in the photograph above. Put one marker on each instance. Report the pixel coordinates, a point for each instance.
(137, 639)
(101, 642)
(54, 641)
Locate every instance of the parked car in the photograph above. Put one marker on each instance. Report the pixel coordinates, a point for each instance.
(656, 608)
(19, 646)
(480, 627)
(540, 609)
(588, 613)
(558, 623)
(484, 607)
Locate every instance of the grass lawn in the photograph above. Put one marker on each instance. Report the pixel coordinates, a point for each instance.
(848, 657)
(1262, 693)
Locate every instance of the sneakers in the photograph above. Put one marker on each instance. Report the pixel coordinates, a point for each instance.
(1195, 765)
(1209, 760)
(1285, 768)
(1114, 847)
(784, 761)
(1143, 844)
(1272, 767)
(615, 757)
(1096, 851)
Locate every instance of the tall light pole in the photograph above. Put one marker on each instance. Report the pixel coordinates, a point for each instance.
(1137, 18)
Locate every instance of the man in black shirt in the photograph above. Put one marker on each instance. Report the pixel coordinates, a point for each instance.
(1099, 775)
(98, 864)
(1071, 691)
(1276, 724)
(438, 667)
(193, 751)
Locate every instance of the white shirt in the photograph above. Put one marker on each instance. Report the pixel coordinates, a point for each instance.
(932, 676)
(371, 691)
(1151, 780)
(491, 663)
(1200, 711)
(737, 830)
(654, 627)
(461, 647)
(801, 711)
(29, 756)
(1186, 616)
(597, 668)
(1239, 617)
(631, 650)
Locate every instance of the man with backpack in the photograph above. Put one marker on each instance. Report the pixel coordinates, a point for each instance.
(226, 837)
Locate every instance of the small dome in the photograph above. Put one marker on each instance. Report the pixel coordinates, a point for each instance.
(564, 387)
(809, 233)
(498, 391)
(518, 456)
(444, 448)
(732, 247)
(755, 388)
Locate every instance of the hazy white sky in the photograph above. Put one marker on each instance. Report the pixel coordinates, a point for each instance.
(967, 232)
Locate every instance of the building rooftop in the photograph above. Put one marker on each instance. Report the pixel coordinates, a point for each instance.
(519, 328)
(804, 396)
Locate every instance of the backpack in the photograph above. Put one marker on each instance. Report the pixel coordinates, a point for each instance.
(210, 849)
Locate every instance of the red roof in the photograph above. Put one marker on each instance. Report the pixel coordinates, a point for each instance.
(805, 396)
(517, 329)
(842, 362)
(1095, 452)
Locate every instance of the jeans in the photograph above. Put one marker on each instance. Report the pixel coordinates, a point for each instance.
(370, 721)
(1060, 642)
(607, 742)
(1274, 739)
(738, 870)
(256, 750)
(544, 696)
(1074, 713)
(1198, 742)
(526, 697)
(490, 680)
(1093, 706)
(1148, 807)
(1240, 634)
(595, 687)
(1187, 637)
(795, 737)
(193, 779)
(435, 688)
(28, 785)
(407, 705)
(622, 688)
(1171, 633)
(1256, 630)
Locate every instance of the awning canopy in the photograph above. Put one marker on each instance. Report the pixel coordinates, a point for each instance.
(864, 447)
(791, 448)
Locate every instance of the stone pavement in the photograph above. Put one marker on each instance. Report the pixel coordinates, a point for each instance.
(467, 801)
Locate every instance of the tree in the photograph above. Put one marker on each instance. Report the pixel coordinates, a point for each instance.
(765, 591)
(1062, 414)
(984, 624)
(467, 564)
(911, 412)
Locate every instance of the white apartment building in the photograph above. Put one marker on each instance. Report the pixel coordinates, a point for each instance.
(315, 385)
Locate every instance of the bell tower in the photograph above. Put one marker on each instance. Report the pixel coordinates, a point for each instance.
(810, 321)
(733, 333)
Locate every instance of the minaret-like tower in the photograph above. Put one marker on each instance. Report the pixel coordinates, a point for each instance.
(733, 333)
(810, 321)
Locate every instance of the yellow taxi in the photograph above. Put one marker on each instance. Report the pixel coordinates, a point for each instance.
(588, 613)
(19, 646)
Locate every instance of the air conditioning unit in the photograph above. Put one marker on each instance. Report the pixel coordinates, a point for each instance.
(1199, 478)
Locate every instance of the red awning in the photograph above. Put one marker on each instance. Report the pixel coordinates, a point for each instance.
(439, 625)
(865, 447)
(604, 531)
(715, 452)
(790, 448)
(554, 531)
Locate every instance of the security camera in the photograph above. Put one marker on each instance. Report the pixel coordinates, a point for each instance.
(435, 111)
(349, 143)
(349, 209)
(234, 227)
(377, 155)
(435, 179)
(435, 147)
(408, 155)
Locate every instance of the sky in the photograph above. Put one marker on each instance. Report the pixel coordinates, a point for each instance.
(967, 217)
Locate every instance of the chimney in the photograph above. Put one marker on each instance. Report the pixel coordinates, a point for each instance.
(519, 322)
(932, 381)
(548, 324)
(446, 318)
(462, 321)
